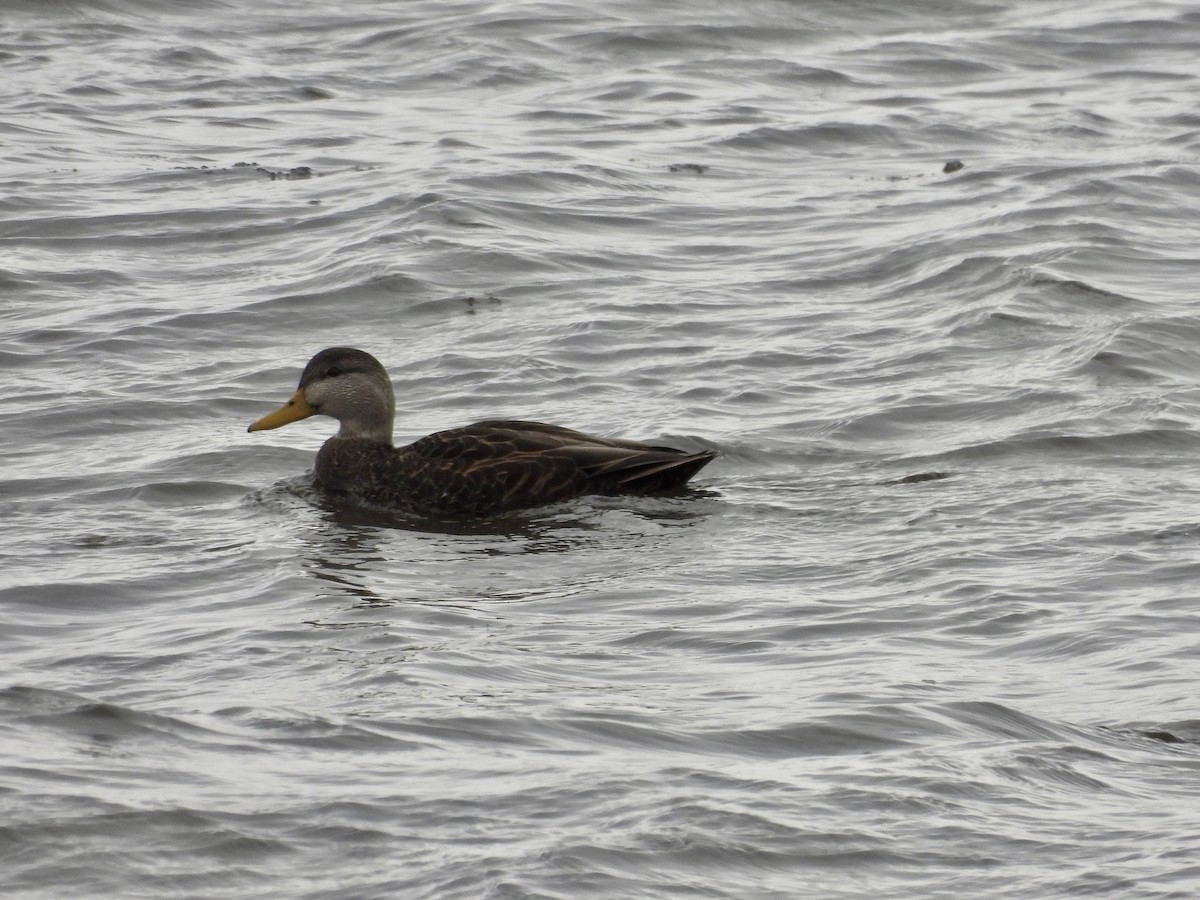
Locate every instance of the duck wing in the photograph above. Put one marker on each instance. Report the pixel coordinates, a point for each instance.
(501, 465)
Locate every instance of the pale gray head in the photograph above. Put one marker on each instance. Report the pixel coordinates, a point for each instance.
(346, 384)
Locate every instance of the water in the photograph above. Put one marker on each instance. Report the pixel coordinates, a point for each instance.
(926, 629)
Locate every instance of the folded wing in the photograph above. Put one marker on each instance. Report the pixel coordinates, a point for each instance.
(499, 465)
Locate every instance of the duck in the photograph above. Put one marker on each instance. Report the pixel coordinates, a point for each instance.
(490, 467)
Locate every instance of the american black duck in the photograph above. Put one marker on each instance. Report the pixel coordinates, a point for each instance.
(486, 468)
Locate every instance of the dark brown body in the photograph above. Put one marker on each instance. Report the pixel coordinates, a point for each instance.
(496, 466)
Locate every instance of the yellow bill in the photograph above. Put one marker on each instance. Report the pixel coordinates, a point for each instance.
(294, 410)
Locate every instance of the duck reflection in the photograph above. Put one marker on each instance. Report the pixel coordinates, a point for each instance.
(360, 549)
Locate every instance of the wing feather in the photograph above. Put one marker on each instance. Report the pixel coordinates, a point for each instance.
(500, 465)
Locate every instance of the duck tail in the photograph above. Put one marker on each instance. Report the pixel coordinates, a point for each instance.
(657, 475)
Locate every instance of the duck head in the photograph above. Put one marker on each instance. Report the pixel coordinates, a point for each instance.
(345, 384)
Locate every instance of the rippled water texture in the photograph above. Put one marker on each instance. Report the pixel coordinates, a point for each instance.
(928, 627)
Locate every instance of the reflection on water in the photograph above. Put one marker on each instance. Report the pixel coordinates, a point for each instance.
(354, 545)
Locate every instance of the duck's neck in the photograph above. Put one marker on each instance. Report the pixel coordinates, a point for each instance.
(374, 431)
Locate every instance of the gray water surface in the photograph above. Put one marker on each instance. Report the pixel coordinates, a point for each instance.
(928, 627)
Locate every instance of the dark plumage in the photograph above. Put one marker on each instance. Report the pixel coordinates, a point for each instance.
(489, 467)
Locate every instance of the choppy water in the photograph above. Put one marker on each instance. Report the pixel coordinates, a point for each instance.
(927, 629)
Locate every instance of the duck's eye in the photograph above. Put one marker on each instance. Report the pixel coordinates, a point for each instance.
(334, 372)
